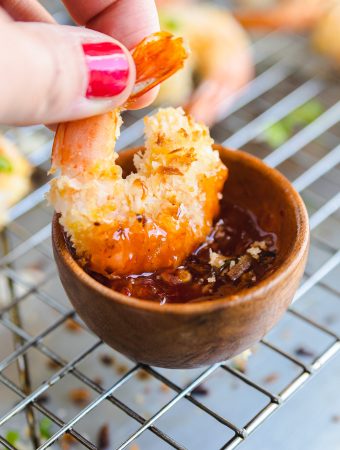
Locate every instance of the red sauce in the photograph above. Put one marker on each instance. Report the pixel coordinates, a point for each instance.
(249, 254)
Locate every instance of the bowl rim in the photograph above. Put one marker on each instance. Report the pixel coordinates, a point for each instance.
(295, 255)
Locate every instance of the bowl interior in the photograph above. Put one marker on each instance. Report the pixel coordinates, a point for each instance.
(264, 191)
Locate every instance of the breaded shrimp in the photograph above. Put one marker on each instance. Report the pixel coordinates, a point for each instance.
(326, 35)
(294, 15)
(15, 174)
(220, 59)
(152, 219)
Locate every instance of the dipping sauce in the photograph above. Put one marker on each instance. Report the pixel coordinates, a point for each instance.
(237, 254)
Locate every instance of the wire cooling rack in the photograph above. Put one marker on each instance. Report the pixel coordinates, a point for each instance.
(62, 387)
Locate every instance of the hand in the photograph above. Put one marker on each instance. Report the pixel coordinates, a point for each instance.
(52, 73)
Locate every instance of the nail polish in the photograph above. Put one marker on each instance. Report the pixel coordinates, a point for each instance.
(108, 69)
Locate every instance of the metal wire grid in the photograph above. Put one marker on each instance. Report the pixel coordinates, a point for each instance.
(310, 158)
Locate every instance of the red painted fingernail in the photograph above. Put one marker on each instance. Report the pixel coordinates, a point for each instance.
(108, 69)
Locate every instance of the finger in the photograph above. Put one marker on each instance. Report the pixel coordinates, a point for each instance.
(128, 21)
(4, 17)
(214, 96)
(27, 11)
(145, 99)
(71, 73)
(204, 104)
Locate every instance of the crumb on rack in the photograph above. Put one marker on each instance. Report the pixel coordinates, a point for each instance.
(98, 381)
(271, 378)
(72, 326)
(52, 364)
(142, 375)
(43, 399)
(103, 439)
(240, 362)
(200, 390)
(67, 441)
(164, 387)
(303, 351)
(134, 447)
(121, 369)
(106, 359)
(80, 396)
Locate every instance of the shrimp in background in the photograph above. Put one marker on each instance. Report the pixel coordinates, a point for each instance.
(325, 38)
(294, 15)
(15, 172)
(322, 17)
(220, 60)
(152, 219)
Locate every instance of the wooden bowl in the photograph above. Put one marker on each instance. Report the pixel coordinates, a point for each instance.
(196, 334)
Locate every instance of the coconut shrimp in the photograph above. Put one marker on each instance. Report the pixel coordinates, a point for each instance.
(15, 173)
(220, 60)
(326, 35)
(295, 15)
(154, 218)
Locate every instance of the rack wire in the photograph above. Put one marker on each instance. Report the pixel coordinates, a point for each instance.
(151, 408)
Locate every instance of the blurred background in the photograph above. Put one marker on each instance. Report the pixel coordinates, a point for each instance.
(265, 76)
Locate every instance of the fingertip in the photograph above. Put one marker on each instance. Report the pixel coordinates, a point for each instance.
(145, 100)
(60, 73)
(4, 17)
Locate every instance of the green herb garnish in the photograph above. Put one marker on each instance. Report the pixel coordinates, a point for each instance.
(172, 24)
(5, 164)
(278, 133)
(45, 428)
(306, 113)
(12, 436)
(169, 23)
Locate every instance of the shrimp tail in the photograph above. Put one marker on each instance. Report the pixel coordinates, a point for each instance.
(157, 57)
(153, 218)
(89, 143)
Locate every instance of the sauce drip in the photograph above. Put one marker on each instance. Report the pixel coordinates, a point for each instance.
(236, 254)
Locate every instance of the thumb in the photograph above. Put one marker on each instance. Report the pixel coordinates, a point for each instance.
(53, 73)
